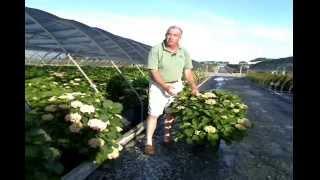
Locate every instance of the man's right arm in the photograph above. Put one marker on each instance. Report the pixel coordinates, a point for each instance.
(153, 59)
(156, 77)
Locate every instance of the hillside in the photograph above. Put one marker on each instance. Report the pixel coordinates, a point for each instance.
(273, 65)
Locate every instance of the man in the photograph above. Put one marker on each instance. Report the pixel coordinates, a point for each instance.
(167, 63)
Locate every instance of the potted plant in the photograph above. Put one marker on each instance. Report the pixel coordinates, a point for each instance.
(208, 118)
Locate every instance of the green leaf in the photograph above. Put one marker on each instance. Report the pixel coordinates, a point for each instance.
(213, 137)
(107, 103)
(195, 138)
(54, 167)
(189, 141)
(188, 132)
(204, 122)
(117, 108)
(52, 153)
(102, 155)
(31, 151)
(39, 175)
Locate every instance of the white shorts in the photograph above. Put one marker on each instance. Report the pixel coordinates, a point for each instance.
(159, 99)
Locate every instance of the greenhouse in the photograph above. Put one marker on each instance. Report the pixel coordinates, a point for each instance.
(87, 100)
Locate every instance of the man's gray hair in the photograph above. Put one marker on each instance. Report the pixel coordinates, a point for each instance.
(174, 27)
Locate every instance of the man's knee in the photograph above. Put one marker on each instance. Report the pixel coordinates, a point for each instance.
(152, 117)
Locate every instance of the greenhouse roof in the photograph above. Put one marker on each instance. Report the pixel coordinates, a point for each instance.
(48, 33)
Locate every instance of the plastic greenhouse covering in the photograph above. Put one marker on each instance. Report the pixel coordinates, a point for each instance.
(53, 40)
(49, 38)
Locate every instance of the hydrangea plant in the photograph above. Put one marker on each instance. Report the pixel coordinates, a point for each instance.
(77, 121)
(207, 118)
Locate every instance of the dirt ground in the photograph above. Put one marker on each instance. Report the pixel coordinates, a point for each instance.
(266, 153)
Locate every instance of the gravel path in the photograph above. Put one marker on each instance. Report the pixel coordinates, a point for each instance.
(266, 153)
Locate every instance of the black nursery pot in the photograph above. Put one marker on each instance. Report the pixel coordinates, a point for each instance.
(200, 148)
(71, 159)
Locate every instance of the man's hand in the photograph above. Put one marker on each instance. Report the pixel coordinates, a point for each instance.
(169, 89)
(155, 75)
(195, 91)
(189, 76)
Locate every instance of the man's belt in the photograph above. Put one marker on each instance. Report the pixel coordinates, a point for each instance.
(172, 81)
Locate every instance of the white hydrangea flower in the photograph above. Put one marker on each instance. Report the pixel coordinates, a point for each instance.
(232, 105)
(77, 94)
(76, 84)
(241, 120)
(76, 104)
(197, 132)
(114, 154)
(58, 74)
(224, 117)
(98, 100)
(120, 147)
(65, 84)
(75, 127)
(67, 96)
(240, 126)
(50, 108)
(67, 87)
(236, 110)
(43, 86)
(108, 122)
(47, 117)
(73, 117)
(97, 124)
(245, 122)
(210, 129)
(243, 106)
(55, 83)
(87, 108)
(193, 98)
(180, 107)
(71, 81)
(210, 101)
(45, 134)
(226, 101)
(77, 79)
(119, 129)
(53, 98)
(96, 142)
(29, 84)
(208, 95)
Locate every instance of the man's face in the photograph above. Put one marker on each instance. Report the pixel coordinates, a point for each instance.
(172, 37)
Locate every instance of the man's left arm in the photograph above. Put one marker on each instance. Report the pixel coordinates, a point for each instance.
(189, 74)
(189, 77)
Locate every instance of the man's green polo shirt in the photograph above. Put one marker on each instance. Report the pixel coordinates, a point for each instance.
(170, 65)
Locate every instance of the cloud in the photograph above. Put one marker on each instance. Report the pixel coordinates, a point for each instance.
(206, 36)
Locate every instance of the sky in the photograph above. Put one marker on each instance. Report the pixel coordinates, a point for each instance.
(213, 30)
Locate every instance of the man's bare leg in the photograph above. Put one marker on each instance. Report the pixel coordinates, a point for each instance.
(151, 127)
